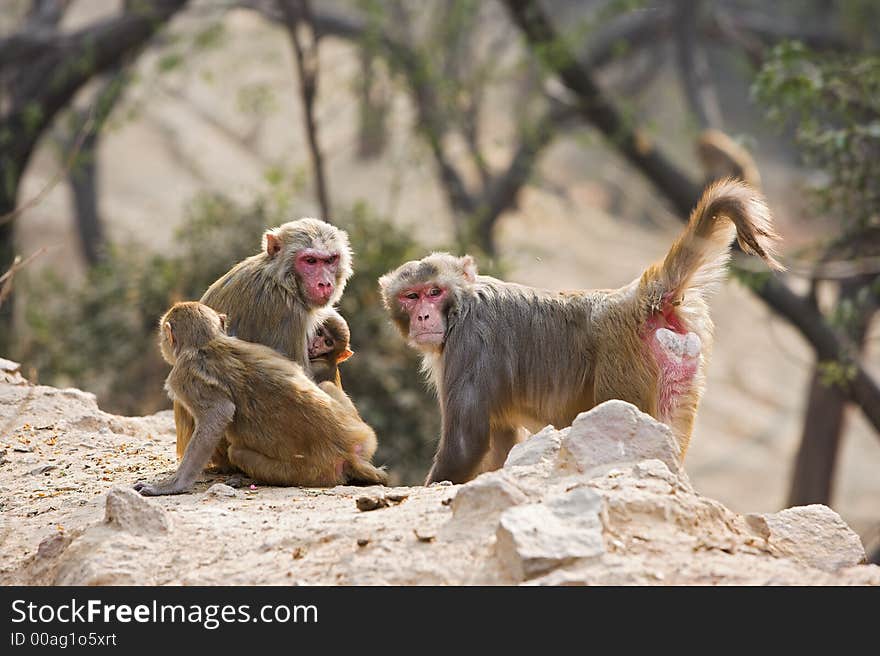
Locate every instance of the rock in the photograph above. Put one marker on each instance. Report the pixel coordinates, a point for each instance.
(616, 432)
(541, 447)
(220, 490)
(23, 449)
(424, 534)
(42, 469)
(486, 496)
(397, 497)
(53, 545)
(368, 502)
(535, 538)
(8, 366)
(814, 535)
(129, 511)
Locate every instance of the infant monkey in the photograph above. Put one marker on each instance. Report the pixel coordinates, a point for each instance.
(282, 428)
(329, 346)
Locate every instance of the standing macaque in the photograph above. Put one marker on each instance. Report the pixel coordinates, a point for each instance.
(329, 346)
(501, 355)
(281, 427)
(274, 297)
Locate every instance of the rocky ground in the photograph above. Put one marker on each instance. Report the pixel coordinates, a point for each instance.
(602, 502)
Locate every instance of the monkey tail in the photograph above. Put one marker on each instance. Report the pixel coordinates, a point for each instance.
(361, 472)
(696, 261)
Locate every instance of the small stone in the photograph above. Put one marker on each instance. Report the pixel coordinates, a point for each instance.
(363, 542)
(487, 495)
(129, 511)
(53, 545)
(220, 490)
(23, 449)
(424, 534)
(396, 497)
(371, 502)
(42, 469)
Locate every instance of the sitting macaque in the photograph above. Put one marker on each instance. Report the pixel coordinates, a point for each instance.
(503, 355)
(329, 347)
(281, 427)
(275, 297)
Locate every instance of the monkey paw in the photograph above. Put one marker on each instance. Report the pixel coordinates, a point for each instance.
(157, 490)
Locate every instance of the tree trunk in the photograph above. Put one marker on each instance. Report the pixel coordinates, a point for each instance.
(813, 477)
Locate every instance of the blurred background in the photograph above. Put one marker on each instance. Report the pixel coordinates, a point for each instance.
(144, 147)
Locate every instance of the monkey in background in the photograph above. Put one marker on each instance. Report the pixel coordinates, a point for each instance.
(485, 342)
(329, 346)
(273, 298)
(281, 427)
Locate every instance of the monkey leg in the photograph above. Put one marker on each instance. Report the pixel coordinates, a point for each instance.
(285, 472)
(502, 440)
(362, 472)
(208, 432)
(465, 440)
(185, 425)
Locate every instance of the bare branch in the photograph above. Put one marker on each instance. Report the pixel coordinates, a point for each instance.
(693, 67)
(17, 264)
(298, 12)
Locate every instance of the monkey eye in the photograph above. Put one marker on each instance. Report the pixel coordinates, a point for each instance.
(311, 260)
(412, 296)
(331, 259)
(328, 342)
(435, 292)
(319, 332)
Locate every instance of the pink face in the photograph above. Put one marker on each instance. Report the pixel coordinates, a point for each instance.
(424, 305)
(321, 344)
(317, 271)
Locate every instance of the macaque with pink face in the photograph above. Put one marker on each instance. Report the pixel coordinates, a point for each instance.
(503, 356)
(329, 346)
(275, 297)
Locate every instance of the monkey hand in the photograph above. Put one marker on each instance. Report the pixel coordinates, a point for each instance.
(170, 485)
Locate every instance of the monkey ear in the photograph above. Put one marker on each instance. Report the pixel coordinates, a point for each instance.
(468, 267)
(345, 355)
(169, 333)
(271, 244)
(224, 321)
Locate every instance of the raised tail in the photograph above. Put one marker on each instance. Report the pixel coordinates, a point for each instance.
(697, 259)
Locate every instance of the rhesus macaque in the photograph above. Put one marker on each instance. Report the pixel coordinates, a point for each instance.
(503, 355)
(274, 297)
(329, 346)
(281, 427)
(721, 157)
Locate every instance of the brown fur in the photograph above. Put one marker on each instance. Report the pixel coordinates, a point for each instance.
(281, 428)
(325, 367)
(265, 303)
(515, 356)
